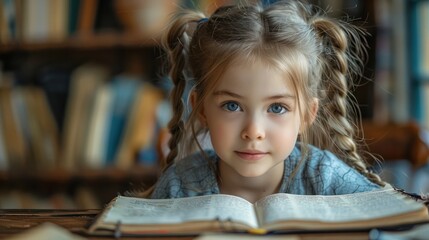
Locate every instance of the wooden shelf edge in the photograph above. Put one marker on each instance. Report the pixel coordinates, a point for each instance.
(61, 175)
(91, 41)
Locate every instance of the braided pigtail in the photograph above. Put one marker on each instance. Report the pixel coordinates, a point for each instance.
(338, 63)
(176, 43)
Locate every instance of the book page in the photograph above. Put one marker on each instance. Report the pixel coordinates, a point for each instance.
(130, 210)
(338, 208)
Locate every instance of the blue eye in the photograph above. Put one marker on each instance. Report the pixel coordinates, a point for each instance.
(277, 108)
(231, 106)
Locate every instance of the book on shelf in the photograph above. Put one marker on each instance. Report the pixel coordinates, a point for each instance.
(140, 129)
(73, 16)
(43, 132)
(84, 84)
(36, 18)
(30, 137)
(59, 17)
(7, 20)
(98, 126)
(86, 16)
(15, 145)
(423, 31)
(277, 213)
(426, 105)
(4, 164)
(51, 19)
(124, 89)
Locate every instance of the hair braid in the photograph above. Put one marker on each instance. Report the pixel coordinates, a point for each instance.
(334, 107)
(176, 43)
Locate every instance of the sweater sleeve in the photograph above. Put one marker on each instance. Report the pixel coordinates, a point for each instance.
(191, 176)
(336, 177)
(168, 185)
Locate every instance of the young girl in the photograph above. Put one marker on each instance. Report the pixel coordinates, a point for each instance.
(269, 87)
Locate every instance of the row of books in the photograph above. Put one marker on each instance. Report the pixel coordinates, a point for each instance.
(28, 20)
(27, 128)
(53, 20)
(42, 20)
(108, 121)
(401, 80)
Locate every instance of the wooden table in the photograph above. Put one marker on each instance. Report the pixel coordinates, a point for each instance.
(13, 222)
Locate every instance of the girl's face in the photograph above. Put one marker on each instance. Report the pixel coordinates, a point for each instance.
(253, 119)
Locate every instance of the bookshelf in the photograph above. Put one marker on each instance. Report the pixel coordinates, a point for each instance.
(39, 66)
(418, 38)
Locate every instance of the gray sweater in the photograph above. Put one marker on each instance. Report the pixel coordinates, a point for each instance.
(322, 173)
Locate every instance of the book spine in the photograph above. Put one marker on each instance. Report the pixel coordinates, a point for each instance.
(423, 73)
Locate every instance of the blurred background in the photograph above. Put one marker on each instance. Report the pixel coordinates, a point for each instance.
(84, 97)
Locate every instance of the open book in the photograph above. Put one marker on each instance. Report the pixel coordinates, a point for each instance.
(278, 212)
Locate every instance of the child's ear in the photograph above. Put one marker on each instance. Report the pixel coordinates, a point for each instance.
(314, 107)
(200, 113)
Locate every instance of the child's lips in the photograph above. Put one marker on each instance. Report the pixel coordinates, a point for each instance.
(251, 155)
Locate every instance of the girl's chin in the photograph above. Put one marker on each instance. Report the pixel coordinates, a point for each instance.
(251, 174)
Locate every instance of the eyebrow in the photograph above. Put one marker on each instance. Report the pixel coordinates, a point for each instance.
(227, 93)
(235, 95)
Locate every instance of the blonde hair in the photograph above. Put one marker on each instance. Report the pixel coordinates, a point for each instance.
(322, 55)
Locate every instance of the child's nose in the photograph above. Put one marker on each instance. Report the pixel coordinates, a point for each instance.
(253, 130)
